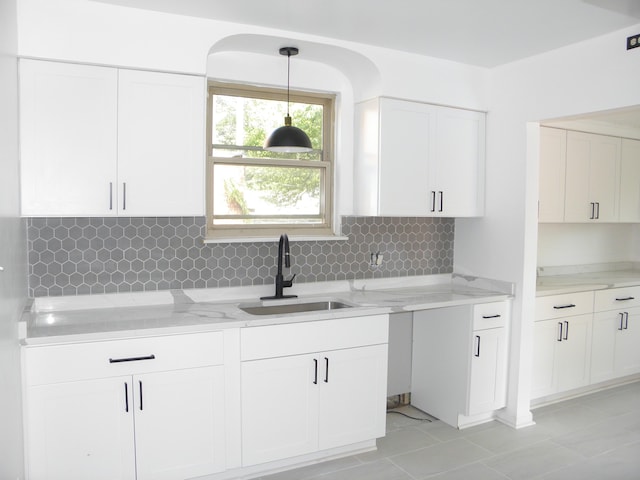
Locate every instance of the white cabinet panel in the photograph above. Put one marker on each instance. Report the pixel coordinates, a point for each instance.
(299, 403)
(164, 424)
(68, 139)
(80, 430)
(592, 178)
(179, 421)
(487, 383)
(562, 354)
(416, 159)
(160, 144)
(99, 141)
(279, 408)
(630, 181)
(458, 169)
(360, 375)
(553, 155)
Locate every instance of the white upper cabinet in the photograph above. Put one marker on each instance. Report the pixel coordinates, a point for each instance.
(593, 177)
(98, 141)
(630, 181)
(68, 138)
(160, 144)
(415, 159)
(553, 161)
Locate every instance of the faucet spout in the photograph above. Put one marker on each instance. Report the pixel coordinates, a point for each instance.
(284, 257)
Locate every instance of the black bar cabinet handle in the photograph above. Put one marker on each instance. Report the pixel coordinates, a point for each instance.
(624, 299)
(597, 210)
(621, 321)
(560, 332)
(593, 211)
(140, 385)
(491, 316)
(433, 200)
(477, 354)
(131, 359)
(441, 201)
(626, 320)
(126, 397)
(326, 371)
(566, 330)
(559, 307)
(315, 371)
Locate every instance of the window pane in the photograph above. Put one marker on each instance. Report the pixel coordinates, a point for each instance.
(266, 194)
(245, 121)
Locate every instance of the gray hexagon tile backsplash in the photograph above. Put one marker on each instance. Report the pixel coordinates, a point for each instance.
(75, 256)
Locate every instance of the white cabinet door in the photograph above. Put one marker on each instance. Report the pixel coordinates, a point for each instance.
(160, 144)
(487, 382)
(592, 178)
(630, 181)
(562, 354)
(457, 169)
(359, 375)
(553, 154)
(80, 430)
(574, 353)
(179, 421)
(68, 138)
(545, 336)
(279, 408)
(406, 149)
(615, 352)
(416, 159)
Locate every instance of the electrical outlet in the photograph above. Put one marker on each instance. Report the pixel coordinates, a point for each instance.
(633, 41)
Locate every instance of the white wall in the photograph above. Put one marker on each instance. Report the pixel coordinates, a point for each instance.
(583, 244)
(13, 285)
(586, 77)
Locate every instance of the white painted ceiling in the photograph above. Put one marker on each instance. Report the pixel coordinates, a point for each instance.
(477, 32)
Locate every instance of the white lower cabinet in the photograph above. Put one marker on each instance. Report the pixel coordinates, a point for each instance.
(616, 334)
(459, 361)
(143, 425)
(562, 343)
(296, 401)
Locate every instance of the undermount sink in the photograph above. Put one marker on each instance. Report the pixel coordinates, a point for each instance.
(299, 307)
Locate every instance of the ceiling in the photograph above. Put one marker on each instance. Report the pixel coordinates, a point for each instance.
(485, 33)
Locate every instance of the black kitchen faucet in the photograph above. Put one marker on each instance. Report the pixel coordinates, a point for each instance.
(281, 283)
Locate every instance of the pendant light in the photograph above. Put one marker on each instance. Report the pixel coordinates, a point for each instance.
(288, 138)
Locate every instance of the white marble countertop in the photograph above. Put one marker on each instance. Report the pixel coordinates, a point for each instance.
(53, 320)
(559, 280)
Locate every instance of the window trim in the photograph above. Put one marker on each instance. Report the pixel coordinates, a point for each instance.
(237, 232)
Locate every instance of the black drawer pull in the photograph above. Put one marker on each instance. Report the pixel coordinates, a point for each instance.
(131, 359)
(625, 299)
(491, 316)
(559, 307)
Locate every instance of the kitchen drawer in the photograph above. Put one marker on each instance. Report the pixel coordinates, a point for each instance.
(617, 298)
(81, 361)
(308, 337)
(565, 305)
(490, 315)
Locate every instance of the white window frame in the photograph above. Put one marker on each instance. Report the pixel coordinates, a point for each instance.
(325, 164)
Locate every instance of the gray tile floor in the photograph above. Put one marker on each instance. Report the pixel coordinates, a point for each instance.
(594, 437)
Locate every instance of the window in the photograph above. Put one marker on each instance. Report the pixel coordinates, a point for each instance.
(255, 193)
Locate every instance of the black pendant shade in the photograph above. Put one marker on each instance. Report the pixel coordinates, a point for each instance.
(288, 138)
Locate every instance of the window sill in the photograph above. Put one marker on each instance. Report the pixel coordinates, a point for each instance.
(293, 238)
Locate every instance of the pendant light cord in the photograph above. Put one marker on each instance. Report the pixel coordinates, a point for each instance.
(288, 77)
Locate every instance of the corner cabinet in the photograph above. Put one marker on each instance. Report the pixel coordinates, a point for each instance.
(553, 164)
(312, 386)
(100, 141)
(459, 362)
(151, 408)
(416, 159)
(630, 181)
